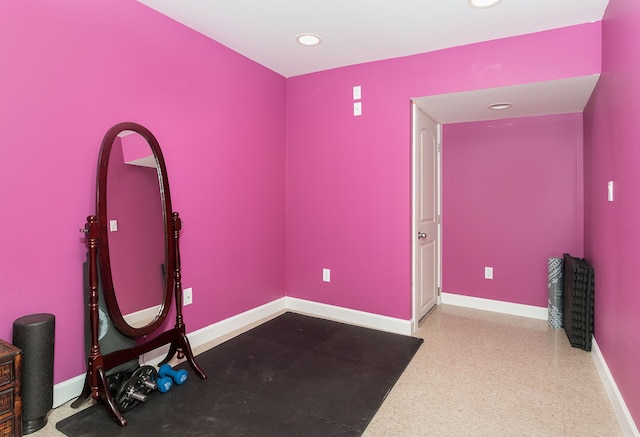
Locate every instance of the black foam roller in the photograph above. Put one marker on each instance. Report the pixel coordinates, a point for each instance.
(35, 334)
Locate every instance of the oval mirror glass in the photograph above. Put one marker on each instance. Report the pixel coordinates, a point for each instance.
(136, 229)
(134, 252)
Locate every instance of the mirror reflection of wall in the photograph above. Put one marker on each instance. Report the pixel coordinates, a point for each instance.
(136, 248)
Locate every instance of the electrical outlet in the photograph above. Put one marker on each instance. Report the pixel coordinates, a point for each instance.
(326, 275)
(357, 108)
(187, 296)
(488, 273)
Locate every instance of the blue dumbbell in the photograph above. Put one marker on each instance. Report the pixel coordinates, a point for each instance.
(178, 376)
(164, 384)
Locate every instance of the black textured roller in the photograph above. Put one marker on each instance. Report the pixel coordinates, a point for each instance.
(35, 334)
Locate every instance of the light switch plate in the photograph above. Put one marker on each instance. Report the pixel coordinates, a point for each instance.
(488, 273)
(113, 225)
(357, 92)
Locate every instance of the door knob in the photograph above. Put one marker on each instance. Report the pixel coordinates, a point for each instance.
(422, 235)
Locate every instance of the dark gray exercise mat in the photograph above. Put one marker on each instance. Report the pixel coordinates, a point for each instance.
(291, 376)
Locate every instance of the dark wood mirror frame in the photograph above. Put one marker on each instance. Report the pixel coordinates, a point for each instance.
(96, 229)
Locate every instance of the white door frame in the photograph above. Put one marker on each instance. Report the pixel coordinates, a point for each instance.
(414, 227)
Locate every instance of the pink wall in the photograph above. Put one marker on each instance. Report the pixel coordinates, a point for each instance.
(349, 178)
(612, 229)
(511, 198)
(71, 69)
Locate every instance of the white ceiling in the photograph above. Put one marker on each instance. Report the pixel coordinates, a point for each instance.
(356, 31)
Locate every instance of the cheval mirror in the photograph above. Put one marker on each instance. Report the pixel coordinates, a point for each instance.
(132, 273)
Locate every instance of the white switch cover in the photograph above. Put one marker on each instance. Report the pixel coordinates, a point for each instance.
(326, 275)
(357, 92)
(488, 273)
(610, 191)
(187, 296)
(357, 108)
(113, 225)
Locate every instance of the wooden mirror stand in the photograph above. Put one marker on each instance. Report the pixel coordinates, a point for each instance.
(96, 383)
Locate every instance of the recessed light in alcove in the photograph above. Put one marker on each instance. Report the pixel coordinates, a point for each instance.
(500, 106)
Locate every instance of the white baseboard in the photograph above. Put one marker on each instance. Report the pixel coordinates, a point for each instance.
(227, 326)
(353, 317)
(496, 306)
(629, 428)
(71, 388)
(66, 390)
(220, 329)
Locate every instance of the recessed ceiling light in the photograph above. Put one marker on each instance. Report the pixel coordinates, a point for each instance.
(308, 39)
(482, 4)
(500, 106)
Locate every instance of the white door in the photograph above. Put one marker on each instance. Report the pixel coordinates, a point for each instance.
(426, 210)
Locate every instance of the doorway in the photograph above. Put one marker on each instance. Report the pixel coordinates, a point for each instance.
(561, 96)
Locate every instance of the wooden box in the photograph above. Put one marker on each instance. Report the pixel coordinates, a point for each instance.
(10, 401)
